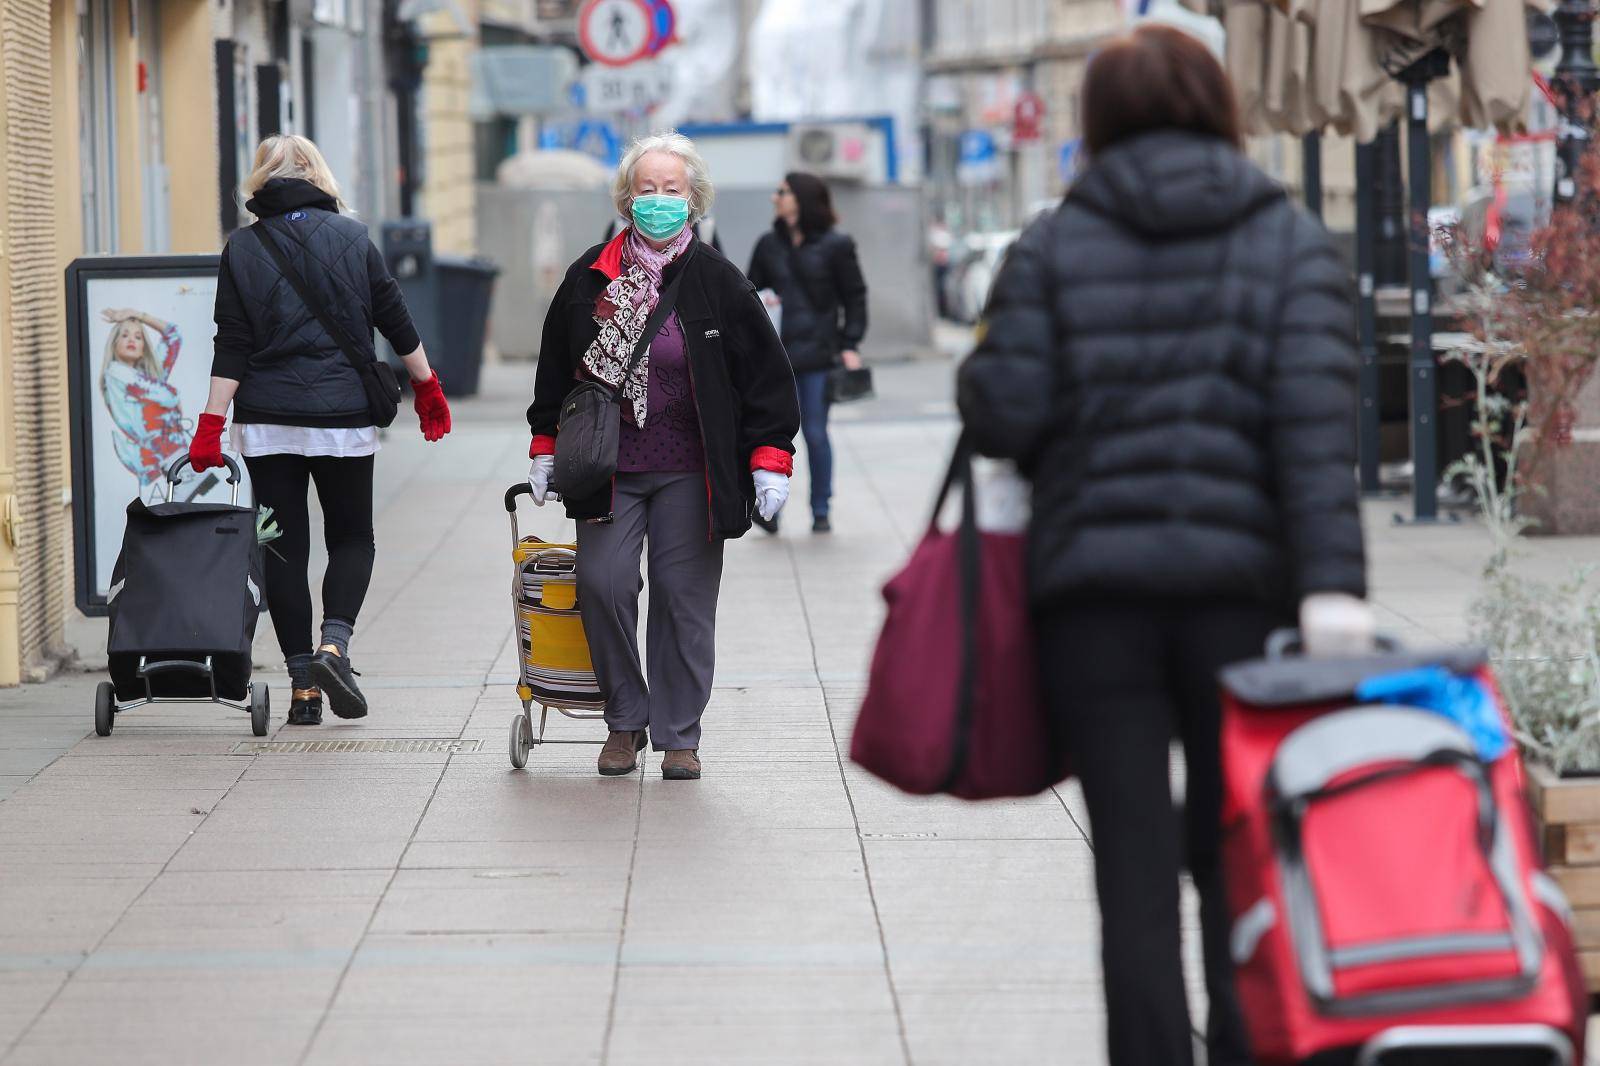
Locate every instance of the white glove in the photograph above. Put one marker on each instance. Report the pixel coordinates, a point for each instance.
(539, 477)
(1335, 624)
(772, 492)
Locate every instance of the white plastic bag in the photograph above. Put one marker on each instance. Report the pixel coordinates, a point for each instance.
(774, 306)
(1005, 498)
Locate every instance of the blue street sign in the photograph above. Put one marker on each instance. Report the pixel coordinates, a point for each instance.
(1067, 161)
(595, 137)
(977, 147)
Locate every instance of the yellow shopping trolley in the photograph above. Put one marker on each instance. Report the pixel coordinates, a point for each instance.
(555, 672)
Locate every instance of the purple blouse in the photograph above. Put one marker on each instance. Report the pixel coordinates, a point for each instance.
(670, 441)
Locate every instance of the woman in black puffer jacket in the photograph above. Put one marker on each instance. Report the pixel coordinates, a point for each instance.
(1168, 356)
(811, 270)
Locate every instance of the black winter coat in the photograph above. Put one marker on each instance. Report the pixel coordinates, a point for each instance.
(744, 391)
(1169, 355)
(290, 371)
(824, 300)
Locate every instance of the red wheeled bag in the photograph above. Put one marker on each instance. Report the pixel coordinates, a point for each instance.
(1387, 900)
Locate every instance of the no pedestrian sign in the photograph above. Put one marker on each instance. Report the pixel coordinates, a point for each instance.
(619, 33)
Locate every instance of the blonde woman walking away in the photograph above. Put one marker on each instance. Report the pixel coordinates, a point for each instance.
(298, 295)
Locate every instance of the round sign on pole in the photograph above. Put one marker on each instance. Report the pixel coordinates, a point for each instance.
(616, 33)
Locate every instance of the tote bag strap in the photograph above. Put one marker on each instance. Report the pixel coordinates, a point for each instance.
(969, 555)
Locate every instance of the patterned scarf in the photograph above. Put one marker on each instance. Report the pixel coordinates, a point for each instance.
(621, 313)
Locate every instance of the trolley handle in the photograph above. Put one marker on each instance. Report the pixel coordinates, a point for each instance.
(1287, 643)
(175, 471)
(522, 488)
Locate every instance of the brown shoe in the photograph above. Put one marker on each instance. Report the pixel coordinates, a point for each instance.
(681, 765)
(620, 755)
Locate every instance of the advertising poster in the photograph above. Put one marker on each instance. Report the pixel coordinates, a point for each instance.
(139, 349)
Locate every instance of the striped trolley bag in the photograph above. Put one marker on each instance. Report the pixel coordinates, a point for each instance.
(554, 669)
(1387, 901)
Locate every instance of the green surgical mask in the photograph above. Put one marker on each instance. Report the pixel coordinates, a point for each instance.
(660, 218)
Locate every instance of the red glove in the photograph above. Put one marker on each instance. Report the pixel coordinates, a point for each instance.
(205, 451)
(432, 410)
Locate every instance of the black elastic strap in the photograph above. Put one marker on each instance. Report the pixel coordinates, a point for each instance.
(658, 318)
(359, 357)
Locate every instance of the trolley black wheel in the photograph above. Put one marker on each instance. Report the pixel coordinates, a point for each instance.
(260, 709)
(105, 709)
(521, 740)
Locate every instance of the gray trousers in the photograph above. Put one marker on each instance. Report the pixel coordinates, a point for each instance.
(669, 694)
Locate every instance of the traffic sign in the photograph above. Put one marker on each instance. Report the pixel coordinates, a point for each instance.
(619, 33)
(979, 158)
(636, 87)
(1028, 117)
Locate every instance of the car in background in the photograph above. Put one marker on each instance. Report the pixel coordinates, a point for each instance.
(974, 263)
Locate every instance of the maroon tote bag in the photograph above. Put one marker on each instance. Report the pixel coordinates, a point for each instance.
(952, 701)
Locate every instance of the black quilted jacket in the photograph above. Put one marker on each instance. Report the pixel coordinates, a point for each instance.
(1169, 355)
(290, 371)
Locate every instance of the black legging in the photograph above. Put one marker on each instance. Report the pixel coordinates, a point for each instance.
(1125, 677)
(344, 487)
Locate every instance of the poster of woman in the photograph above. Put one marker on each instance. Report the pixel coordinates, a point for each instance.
(146, 410)
(139, 338)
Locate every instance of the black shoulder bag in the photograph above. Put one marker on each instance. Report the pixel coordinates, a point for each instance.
(590, 425)
(377, 377)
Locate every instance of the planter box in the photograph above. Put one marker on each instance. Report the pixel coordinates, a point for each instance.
(1568, 815)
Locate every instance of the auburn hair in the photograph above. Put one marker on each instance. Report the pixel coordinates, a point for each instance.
(1157, 78)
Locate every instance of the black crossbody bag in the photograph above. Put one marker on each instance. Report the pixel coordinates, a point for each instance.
(377, 377)
(590, 426)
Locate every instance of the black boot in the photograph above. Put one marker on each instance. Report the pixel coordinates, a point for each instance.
(333, 675)
(305, 707)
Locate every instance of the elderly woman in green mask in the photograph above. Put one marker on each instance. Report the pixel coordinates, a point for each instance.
(709, 417)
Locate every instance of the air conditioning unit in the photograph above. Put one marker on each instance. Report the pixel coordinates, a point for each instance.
(842, 150)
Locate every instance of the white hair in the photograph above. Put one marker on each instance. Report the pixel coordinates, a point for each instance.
(671, 142)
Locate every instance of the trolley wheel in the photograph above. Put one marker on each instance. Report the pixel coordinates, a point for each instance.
(521, 740)
(260, 709)
(105, 709)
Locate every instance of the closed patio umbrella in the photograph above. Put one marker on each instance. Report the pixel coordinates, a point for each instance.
(1246, 59)
(1495, 81)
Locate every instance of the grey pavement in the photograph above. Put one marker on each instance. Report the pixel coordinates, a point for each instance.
(172, 894)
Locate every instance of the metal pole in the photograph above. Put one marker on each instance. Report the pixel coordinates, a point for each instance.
(1311, 172)
(1389, 198)
(1424, 379)
(1576, 80)
(1367, 420)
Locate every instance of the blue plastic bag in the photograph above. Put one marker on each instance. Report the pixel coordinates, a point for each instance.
(1466, 701)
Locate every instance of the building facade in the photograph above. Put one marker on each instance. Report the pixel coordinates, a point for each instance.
(127, 128)
(1001, 102)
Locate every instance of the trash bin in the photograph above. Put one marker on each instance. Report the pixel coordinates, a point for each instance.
(448, 297)
(465, 286)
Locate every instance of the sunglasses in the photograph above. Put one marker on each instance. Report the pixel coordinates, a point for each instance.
(782, 191)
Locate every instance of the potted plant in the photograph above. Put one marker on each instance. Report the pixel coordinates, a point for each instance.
(1542, 637)
(1550, 312)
